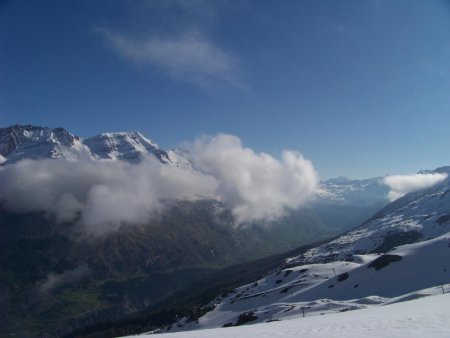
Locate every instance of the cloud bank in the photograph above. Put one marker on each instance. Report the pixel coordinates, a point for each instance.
(402, 184)
(101, 195)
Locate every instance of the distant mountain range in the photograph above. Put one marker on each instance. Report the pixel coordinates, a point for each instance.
(344, 191)
(343, 203)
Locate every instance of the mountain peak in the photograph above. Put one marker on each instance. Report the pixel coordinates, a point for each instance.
(134, 136)
(339, 180)
(128, 146)
(353, 192)
(33, 142)
(27, 141)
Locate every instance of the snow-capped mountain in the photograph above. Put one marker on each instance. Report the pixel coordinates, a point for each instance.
(343, 203)
(30, 142)
(20, 142)
(124, 146)
(344, 191)
(401, 253)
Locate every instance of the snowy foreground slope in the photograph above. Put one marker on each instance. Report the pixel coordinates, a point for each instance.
(425, 317)
(370, 280)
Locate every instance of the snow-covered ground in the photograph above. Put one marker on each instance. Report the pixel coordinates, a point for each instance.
(373, 280)
(424, 317)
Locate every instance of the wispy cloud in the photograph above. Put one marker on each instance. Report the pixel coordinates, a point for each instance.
(190, 57)
(54, 280)
(402, 184)
(176, 38)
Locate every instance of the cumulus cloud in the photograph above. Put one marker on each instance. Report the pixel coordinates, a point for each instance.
(402, 184)
(256, 186)
(190, 57)
(54, 280)
(101, 195)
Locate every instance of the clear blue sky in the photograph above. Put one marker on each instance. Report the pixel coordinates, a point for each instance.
(362, 88)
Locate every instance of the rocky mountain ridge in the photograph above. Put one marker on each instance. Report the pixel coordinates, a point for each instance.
(30, 142)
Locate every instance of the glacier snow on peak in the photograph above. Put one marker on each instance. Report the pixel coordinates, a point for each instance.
(30, 142)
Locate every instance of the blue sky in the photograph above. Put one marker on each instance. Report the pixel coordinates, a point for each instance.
(361, 88)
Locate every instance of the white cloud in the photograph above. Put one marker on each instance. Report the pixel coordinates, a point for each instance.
(102, 195)
(189, 57)
(402, 184)
(256, 186)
